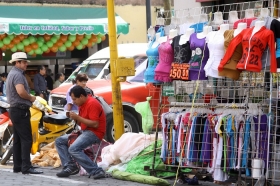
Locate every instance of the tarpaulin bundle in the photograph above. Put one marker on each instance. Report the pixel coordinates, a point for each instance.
(139, 178)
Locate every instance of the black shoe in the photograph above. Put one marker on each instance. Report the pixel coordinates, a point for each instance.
(99, 175)
(66, 172)
(32, 171)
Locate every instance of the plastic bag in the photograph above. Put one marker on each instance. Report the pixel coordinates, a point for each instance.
(147, 116)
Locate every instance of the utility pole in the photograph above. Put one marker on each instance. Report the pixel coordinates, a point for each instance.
(148, 13)
(167, 10)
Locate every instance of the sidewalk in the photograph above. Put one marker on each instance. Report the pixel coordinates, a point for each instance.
(8, 178)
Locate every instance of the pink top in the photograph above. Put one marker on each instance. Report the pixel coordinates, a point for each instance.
(166, 56)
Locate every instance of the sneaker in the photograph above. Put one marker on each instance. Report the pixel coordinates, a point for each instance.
(66, 172)
(99, 175)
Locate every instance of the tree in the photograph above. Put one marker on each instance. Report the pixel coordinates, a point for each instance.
(167, 10)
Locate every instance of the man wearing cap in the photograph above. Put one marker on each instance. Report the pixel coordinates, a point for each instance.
(20, 101)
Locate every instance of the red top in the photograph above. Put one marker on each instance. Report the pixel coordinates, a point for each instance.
(253, 48)
(248, 21)
(93, 110)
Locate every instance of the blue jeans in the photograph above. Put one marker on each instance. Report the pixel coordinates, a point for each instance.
(76, 151)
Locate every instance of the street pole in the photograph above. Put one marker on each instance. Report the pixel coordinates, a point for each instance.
(148, 13)
(116, 89)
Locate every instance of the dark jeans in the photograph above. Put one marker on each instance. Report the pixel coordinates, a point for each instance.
(22, 138)
(76, 151)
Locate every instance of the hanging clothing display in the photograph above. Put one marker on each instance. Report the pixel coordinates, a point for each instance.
(266, 54)
(153, 55)
(229, 68)
(275, 27)
(200, 55)
(251, 57)
(166, 56)
(223, 142)
(215, 42)
(248, 21)
(182, 55)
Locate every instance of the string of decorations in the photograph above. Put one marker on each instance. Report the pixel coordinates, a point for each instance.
(39, 44)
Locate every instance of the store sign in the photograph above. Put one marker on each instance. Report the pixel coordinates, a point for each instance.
(168, 91)
(55, 28)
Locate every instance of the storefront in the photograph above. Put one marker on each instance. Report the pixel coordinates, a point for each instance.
(57, 37)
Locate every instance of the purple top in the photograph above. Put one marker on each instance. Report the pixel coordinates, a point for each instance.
(69, 100)
(199, 49)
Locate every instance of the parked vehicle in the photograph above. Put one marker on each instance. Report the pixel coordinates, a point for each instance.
(134, 90)
(6, 128)
(54, 125)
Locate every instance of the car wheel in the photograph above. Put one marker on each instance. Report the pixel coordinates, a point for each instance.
(130, 125)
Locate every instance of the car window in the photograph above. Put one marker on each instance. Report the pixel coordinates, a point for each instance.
(92, 68)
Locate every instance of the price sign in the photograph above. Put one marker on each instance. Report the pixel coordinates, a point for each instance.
(179, 71)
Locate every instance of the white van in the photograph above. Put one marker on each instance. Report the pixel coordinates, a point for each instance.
(97, 65)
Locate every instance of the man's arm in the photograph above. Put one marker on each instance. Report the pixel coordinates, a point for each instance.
(23, 94)
(87, 122)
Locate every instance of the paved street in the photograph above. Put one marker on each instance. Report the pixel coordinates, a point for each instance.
(8, 178)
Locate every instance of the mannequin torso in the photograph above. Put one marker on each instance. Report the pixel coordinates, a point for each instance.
(264, 12)
(203, 18)
(185, 37)
(160, 21)
(240, 27)
(218, 18)
(258, 26)
(156, 42)
(206, 30)
(172, 34)
(233, 16)
(223, 28)
(249, 13)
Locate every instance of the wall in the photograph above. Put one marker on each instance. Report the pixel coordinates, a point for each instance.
(184, 4)
(136, 16)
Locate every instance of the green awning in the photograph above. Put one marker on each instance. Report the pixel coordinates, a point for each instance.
(57, 20)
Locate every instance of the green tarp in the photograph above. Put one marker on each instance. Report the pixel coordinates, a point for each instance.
(57, 20)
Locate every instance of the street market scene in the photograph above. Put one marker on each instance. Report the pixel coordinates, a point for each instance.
(130, 92)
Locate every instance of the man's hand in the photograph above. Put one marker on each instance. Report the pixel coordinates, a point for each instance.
(32, 99)
(73, 115)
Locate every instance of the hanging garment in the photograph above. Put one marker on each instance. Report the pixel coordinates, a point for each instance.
(266, 54)
(215, 42)
(229, 68)
(198, 27)
(200, 55)
(206, 147)
(166, 56)
(182, 55)
(251, 58)
(275, 27)
(261, 137)
(248, 21)
(184, 27)
(246, 147)
(152, 53)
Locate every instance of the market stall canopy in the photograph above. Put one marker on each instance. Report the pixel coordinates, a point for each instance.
(57, 20)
